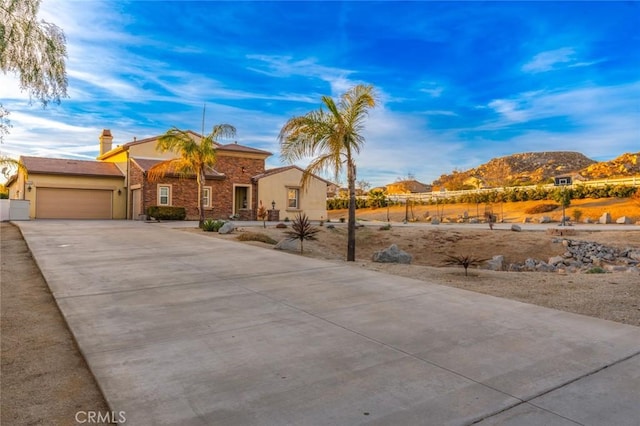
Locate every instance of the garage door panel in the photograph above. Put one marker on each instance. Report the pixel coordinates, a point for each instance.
(68, 203)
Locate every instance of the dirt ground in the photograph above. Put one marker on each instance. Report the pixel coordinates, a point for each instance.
(45, 380)
(611, 296)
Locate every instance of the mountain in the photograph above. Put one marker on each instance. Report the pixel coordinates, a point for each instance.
(532, 168)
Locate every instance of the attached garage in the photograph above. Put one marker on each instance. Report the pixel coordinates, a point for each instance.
(59, 188)
(71, 203)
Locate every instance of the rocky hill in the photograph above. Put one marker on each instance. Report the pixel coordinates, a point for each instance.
(528, 168)
(626, 165)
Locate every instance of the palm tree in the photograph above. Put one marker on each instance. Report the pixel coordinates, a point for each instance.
(9, 166)
(334, 137)
(195, 156)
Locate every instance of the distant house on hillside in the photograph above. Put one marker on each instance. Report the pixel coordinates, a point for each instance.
(410, 186)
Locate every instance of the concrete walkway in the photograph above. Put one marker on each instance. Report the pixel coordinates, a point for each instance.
(183, 329)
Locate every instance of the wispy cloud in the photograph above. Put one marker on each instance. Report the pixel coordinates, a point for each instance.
(565, 57)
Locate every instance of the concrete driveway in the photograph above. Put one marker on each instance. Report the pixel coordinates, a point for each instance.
(183, 329)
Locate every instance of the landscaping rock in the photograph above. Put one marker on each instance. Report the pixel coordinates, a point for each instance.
(392, 254)
(556, 260)
(288, 245)
(227, 228)
(474, 220)
(545, 219)
(516, 228)
(435, 221)
(624, 220)
(605, 218)
(496, 263)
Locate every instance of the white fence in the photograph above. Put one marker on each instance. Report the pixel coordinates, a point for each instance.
(429, 196)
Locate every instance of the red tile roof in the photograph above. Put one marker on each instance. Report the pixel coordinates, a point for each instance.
(146, 163)
(241, 148)
(65, 166)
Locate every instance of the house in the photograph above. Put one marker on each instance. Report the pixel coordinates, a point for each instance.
(116, 186)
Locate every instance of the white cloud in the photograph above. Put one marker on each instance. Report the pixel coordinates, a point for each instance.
(546, 61)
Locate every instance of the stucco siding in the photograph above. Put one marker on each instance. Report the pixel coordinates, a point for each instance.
(313, 198)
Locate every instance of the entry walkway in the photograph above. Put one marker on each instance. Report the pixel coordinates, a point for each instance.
(183, 329)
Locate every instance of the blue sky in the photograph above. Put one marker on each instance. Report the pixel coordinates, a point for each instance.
(458, 83)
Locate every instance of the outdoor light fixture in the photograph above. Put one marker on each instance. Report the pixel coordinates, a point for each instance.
(29, 188)
(119, 191)
(273, 205)
(244, 170)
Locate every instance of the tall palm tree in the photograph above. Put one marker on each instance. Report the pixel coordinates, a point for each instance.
(195, 156)
(333, 137)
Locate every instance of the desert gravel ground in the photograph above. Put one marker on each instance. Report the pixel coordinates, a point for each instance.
(611, 296)
(45, 379)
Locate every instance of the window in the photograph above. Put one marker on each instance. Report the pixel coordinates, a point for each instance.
(293, 198)
(206, 196)
(164, 193)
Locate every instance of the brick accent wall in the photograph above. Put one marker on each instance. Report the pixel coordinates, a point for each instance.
(184, 192)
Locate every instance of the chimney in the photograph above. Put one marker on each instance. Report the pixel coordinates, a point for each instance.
(106, 141)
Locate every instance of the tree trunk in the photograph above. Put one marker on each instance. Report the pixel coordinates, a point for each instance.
(351, 226)
(200, 179)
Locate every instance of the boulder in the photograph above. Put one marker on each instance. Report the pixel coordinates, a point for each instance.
(516, 228)
(474, 220)
(526, 220)
(288, 244)
(227, 228)
(545, 219)
(392, 254)
(556, 260)
(496, 263)
(435, 221)
(605, 218)
(624, 220)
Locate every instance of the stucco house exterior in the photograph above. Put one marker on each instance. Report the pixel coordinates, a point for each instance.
(116, 186)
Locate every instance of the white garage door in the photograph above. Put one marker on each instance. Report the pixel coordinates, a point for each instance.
(66, 203)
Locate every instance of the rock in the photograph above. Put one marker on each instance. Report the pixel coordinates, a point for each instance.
(624, 220)
(545, 219)
(496, 263)
(282, 225)
(435, 221)
(392, 254)
(227, 228)
(516, 228)
(555, 260)
(288, 244)
(634, 254)
(605, 218)
(331, 227)
(587, 220)
(526, 220)
(530, 264)
(474, 220)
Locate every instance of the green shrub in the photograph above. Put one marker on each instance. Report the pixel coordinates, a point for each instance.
(256, 236)
(541, 208)
(211, 225)
(577, 214)
(167, 212)
(302, 230)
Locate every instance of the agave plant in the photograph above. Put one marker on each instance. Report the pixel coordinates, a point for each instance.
(301, 229)
(463, 260)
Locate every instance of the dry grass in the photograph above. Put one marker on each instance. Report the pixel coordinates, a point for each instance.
(510, 212)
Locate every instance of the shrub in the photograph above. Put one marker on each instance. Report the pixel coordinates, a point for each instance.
(256, 236)
(463, 260)
(596, 270)
(541, 208)
(577, 214)
(386, 227)
(281, 225)
(211, 225)
(167, 212)
(301, 229)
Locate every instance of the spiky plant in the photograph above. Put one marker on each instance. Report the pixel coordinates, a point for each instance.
(463, 260)
(301, 229)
